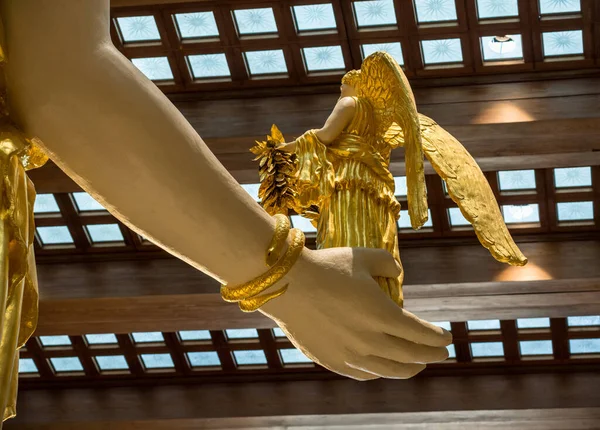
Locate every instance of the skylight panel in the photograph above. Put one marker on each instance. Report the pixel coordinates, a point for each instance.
(190, 335)
(374, 13)
(435, 10)
(573, 177)
(196, 25)
(251, 357)
(204, 359)
(443, 324)
(314, 17)
(484, 325)
(502, 48)
(55, 235)
(511, 180)
(157, 361)
(101, 233)
(575, 211)
(293, 356)
(303, 224)
(584, 346)
(84, 202)
(559, 6)
(45, 203)
(27, 365)
(442, 51)
(519, 214)
(277, 332)
(487, 349)
(209, 66)
(400, 186)
(404, 221)
(255, 21)
(101, 339)
(561, 43)
(535, 347)
(533, 322)
(324, 58)
(61, 340)
(487, 9)
(588, 321)
(271, 62)
(244, 333)
(66, 364)
(148, 337)
(392, 48)
(457, 219)
(154, 68)
(112, 362)
(138, 29)
(451, 351)
(252, 189)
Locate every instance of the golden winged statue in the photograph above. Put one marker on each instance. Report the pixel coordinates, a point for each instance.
(338, 176)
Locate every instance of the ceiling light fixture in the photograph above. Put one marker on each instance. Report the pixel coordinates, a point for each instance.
(502, 44)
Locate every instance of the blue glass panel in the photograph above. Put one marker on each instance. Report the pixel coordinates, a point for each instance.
(277, 332)
(575, 211)
(572, 177)
(487, 349)
(209, 66)
(27, 365)
(194, 335)
(45, 203)
(66, 364)
(516, 180)
(55, 340)
(557, 43)
(518, 214)
(155, 68)
(497, 8)
(589, 321)
(484, 325)
(157, 361)
(441, 51)
(255, 21)
(400, 184)
(374, 13)
(250, 357)
(559, 6)
(148, 337)
(244, 333)
(85, 202)
(584, 346)
(101, 339)
(456, 217)
(204, 359)
(57, 235)
(112, 362)
(252, 189)
(536, 347)
(266, 62)
(435, 10)
(392, 48)
(104, 233)
(293, 355)
(533, 322)
(451, 351)
(404, 221)
(138, 28)
(303, 224)
(324, 58)
(196, 25)
(313, 17)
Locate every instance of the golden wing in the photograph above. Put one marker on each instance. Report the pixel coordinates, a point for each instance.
(383, 83)
(470, 191)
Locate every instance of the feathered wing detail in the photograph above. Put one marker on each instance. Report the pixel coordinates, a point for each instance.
(469, 189)
(383, 83)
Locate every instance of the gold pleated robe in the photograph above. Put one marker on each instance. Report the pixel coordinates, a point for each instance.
(350, 182)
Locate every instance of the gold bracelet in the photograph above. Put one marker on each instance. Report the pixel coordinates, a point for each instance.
(247, 294)
(282, 229)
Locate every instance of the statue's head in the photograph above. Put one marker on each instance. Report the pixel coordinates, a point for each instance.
(350, 83)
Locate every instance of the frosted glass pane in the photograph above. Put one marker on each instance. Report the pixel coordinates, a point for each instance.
(85, 202)
(57, 235)
(196, 25)
(204, 359)
(584, 346)
(55, 340)
(66, 364)
(27, 365)
(456, 217)
(443, 324)
(559, 6)
(400, 185)
(104, 233)
(277, 332)
(45, 203)
(497, 8)
(517, 214)
(495, 49)
(155, 336)
(112, 362)
(252, 189)
(404, 221)
(575, 211)
(101, 339)
(293, 355)
(324, 58)
(536, 347)
(194, 335)
(157, 361)
(533, 322)
(516, 180)
(451, 351)
(487, 349)
(244, 333)
(442, 51)
(209, 66)
(255, 21)
(435, 10)
(583, 321)
(314, 17)
(155, 68)
(303, 224)
(558, 43)
(250, 357)
(484, 325)
(138, 28)
(374, 13)
(392, 48)
(266, 62)
(571, 177)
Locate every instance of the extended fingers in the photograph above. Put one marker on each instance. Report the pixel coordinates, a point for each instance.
(378, 262)
(386, 368)
(403, 324)
(404, 351)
